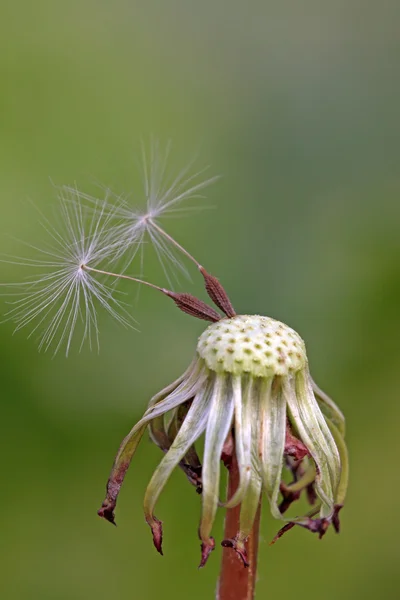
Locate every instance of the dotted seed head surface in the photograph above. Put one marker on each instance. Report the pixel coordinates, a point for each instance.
(252, 344)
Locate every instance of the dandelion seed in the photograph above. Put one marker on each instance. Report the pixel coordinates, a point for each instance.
(164, 196)
(64, 293)
(67, 290)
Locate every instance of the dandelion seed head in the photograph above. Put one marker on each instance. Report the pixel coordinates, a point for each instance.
(260, 346)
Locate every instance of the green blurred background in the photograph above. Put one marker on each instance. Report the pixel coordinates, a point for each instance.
(297, 106)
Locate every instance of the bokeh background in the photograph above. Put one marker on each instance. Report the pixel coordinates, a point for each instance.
(296, 105)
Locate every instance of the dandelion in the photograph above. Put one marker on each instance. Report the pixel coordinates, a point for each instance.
(164, 197)
(249, 392)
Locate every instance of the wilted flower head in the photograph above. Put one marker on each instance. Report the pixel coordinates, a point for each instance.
(249, 391)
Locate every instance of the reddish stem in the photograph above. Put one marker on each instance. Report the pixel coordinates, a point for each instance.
(236, 581)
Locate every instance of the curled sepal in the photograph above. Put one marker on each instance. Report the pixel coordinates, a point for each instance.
(291, 524)
(344, 460)
(118, 472)
(329, 408)
(157, 532)
(158, 433)
(191, 463)
(163, 436)
(243, 405)
(319, 526)
(157, 428)
(206, 549)
(218, 427)
(313, 430)
(335, 517)
(188, 381)
(159, 405)
(192, 427)
(273, 438)
(251, 499)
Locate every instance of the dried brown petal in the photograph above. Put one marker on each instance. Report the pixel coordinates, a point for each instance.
(107, 512)
(280, 533)
(206, 549)
(319, 526)
(157, 532)
(335, 517)
(113, 486)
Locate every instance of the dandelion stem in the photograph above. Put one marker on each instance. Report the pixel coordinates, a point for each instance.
(175, 243)
(119, 276)
(237, 582)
